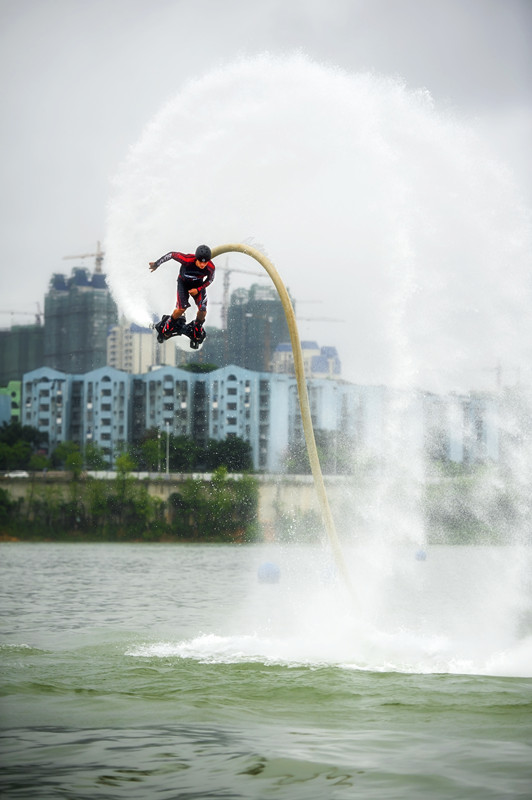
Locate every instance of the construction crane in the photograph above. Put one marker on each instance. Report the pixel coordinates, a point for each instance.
(227, 280)
(98, 257)
(38, 315)
(227, 270)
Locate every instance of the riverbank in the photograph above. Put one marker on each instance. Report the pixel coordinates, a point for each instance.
(473, 506)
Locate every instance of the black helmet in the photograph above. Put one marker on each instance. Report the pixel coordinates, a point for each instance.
(203, 253)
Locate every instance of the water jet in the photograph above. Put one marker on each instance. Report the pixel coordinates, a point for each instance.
(393, 214)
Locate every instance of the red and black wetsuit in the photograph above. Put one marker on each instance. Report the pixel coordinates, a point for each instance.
(190, 277)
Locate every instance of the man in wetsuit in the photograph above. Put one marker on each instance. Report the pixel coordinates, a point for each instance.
(195, 274)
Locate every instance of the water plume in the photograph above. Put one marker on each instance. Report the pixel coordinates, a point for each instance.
(367, 197)
(395, 216)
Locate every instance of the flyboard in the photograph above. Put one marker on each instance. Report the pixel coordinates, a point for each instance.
(179, 327)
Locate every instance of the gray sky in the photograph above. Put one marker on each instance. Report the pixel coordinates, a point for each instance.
(80, 80)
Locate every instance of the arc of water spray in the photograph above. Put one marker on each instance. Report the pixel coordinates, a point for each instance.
(303, 395)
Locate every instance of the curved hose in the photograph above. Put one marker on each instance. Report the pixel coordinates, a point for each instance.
(302, 392)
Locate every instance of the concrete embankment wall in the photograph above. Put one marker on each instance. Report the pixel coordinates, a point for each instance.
(278, 494)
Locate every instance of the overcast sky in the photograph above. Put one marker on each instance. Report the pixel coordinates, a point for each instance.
(81, 79)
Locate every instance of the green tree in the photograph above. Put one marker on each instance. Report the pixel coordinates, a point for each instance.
(233, 453)
(74, 463)
(184, 453)
(67, 455)
(12, 432)
(199, 368)
(297, 461)
(125, 463)
(150, 454)
(61, 453)
(335, 453)
(94, 457)
(38, 462)
(18, 443)
(223, 509)
(6, 505)
(99, 506)
(147, 450)
(15, 456)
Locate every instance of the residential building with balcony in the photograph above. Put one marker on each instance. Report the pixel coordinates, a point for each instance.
(45, 404)
(131, 348)
(318, 362)
(110, 407)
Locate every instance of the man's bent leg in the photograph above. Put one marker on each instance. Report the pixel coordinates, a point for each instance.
(174, 324)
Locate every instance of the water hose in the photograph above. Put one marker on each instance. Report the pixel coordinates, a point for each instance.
(303, 396)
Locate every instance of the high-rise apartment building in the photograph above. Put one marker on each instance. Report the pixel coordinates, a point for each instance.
(109, 407)
(78, 312)
(131, 348)
(21, 350)
(256, 324)
(318, 362)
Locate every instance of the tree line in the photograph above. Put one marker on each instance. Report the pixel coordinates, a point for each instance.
(23, 447)
(223, 509)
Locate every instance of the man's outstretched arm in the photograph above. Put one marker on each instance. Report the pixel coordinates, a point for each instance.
(153, 265)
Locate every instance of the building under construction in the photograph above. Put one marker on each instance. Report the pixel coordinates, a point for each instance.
(78, 311)
(256, 324)
(21, 350)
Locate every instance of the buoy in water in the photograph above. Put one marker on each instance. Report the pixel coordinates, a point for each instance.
(268, 573)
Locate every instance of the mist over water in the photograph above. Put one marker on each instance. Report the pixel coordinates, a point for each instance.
(463, 611)
(365, 196)
(393, 214)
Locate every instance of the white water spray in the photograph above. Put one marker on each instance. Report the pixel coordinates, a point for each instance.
(368, 198)
(396, 217)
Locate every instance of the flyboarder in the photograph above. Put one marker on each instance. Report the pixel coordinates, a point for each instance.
(195, 274)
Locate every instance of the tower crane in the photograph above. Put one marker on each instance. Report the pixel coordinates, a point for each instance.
(98, 257)
(227, 280)
(38, 315)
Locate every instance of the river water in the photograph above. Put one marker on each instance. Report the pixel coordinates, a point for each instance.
(172, 671)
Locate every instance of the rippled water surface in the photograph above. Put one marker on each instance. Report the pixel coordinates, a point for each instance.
(165, 671)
